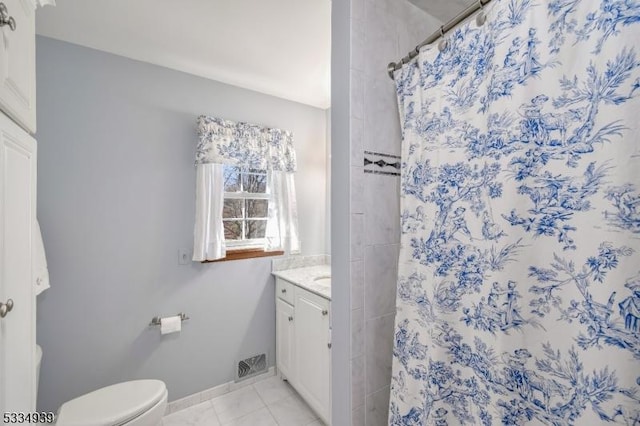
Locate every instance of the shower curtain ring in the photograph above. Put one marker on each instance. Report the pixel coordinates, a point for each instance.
(444, 43)
(391, 68)
(482, 17)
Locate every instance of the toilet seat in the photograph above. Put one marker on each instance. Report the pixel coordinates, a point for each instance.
(113, 405)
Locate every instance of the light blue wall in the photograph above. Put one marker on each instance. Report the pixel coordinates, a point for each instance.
(116, 141)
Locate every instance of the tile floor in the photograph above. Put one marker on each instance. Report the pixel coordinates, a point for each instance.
(269, 402)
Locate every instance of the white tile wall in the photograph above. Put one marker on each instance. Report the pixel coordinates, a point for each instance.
(381, 119)
(357, 284)
(442, 9)
(357, 416)
(382, 209)
(357, 333)
(380, 275)
(357, 40)
(381, 31)
(357, 142)
(357, 189)
(377, 408)
(379, 349)
(357, 236)
(357, 94)
(381, 39)
(357, 382)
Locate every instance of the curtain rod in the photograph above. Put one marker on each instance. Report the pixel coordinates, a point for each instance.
(393, 66)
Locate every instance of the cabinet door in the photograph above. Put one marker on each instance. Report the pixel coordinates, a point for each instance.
(284, 338)
(18, 64)
(17, 213)
(312, 350)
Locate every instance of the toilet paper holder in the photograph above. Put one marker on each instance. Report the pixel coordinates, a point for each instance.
(156, 320)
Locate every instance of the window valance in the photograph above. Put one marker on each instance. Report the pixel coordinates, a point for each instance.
(245, 145)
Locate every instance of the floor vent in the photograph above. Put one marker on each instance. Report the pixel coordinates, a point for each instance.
(251, 366)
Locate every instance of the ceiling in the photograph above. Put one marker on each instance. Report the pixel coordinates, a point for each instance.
(278, 47)
(444, 10)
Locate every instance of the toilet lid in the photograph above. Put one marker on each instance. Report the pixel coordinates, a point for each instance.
(112, 405)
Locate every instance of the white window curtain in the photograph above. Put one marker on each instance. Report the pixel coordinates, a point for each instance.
(282, 225)
(208, 232)
(253, 147)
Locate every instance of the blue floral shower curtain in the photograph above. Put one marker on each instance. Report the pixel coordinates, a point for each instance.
(519, 275)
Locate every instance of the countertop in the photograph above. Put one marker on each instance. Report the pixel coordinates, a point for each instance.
(304, 277)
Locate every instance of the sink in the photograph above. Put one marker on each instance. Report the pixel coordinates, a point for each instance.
(324, 280)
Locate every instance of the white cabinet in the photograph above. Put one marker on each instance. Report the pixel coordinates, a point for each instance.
(17, 213)
(284, 340)
(17, 205)
(17, 64)
(313, 350)
(303, 344)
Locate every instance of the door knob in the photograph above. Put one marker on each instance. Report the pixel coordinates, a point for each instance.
(5, 308)
(325, 312)
(284, 290)
(290, 318)
(5, 19)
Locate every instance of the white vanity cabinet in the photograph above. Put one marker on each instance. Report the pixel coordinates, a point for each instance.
(303, 344)
(18, 62)
(284, 337)
(17, 300)
(17, 205)
(312, 349)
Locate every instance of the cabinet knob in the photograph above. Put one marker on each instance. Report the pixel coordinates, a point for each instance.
(329, 345)
(325, 312)
(284, 290)
(290, 318)
(5, 19)
(5, 308)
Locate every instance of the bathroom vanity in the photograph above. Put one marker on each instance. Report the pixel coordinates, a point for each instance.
(18, 181)
(303, 333)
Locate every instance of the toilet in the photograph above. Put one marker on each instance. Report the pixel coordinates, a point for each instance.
(132, 403)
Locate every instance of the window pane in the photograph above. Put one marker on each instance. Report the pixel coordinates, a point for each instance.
(232, 209)
(256, 228)
(257, 208)
(232, 229)
(254, 183)
(231, 176)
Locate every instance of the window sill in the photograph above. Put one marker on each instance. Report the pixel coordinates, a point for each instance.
(238, 254)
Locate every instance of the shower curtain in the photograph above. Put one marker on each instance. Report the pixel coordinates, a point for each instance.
(519, 274)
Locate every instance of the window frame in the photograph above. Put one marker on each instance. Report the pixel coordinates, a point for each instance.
(245, 243)
(247, 248)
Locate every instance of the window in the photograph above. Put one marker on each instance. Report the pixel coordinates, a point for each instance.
(246, 207)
